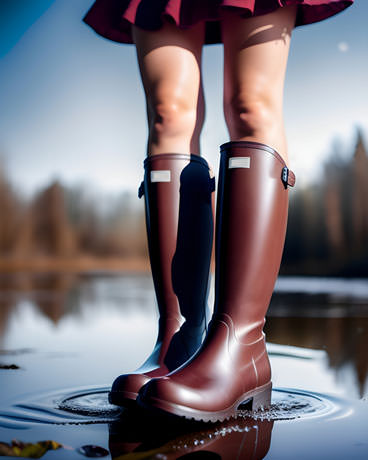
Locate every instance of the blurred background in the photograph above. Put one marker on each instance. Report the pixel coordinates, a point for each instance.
(73, 134)
(77, 305)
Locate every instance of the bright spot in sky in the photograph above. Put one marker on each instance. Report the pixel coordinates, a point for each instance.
(343, 47)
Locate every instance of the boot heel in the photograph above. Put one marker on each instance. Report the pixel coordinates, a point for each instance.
(262, 400)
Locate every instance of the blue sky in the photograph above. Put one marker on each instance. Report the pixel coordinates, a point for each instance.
(72, 106)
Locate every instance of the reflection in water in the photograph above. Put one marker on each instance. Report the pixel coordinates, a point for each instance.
(139, 436)
(57, 295)
(336, 323)
(50, 293)
(323, 323)
(68, 331)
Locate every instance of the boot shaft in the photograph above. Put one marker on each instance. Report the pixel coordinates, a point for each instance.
(252, 209)
(178, 191)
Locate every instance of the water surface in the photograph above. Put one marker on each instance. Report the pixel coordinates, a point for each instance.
(68, 336)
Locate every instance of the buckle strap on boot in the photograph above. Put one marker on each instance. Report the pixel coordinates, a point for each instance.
(287, 177)
(141, 190)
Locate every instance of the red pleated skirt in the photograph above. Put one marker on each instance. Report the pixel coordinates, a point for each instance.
(113, 18)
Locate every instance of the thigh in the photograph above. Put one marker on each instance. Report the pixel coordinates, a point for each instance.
(255, 55)
(170, 61)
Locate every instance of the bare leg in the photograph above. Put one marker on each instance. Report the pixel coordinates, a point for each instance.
(169, 61)
(255, 58)
(178, 197)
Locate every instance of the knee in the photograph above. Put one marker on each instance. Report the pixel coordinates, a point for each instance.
(250, 115)
(171, 117)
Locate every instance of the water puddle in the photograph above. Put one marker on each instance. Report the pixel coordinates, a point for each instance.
(79, 406)
(141, 435)
(288, 404)
(51, 336)
(90, 405)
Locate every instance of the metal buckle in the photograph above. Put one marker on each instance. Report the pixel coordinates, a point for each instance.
(285, 176)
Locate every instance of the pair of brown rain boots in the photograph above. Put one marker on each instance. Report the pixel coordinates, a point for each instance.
(231, 366)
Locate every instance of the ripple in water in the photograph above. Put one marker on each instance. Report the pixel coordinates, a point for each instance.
(78, 407)
(288, 404)
(90, 404)
(85, 406)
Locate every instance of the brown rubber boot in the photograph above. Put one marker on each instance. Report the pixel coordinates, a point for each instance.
(232, 365)
(178, 191)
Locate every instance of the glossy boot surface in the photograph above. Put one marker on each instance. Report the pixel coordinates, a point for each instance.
(178, 192)
(232, 365)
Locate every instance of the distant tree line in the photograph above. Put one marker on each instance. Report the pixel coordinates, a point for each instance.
(65, 222)
(327, 231)
(328, 220)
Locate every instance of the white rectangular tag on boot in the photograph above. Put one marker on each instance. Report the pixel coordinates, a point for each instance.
(161, 176)
(239, 162)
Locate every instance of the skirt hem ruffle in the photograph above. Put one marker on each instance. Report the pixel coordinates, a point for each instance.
(112, 19)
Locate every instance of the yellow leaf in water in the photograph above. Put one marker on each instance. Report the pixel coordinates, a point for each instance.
(27, 450)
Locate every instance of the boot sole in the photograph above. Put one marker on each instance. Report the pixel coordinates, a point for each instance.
(256, 399)
(122, 398)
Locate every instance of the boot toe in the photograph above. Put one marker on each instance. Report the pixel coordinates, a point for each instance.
(125, 388)
(165, 394)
